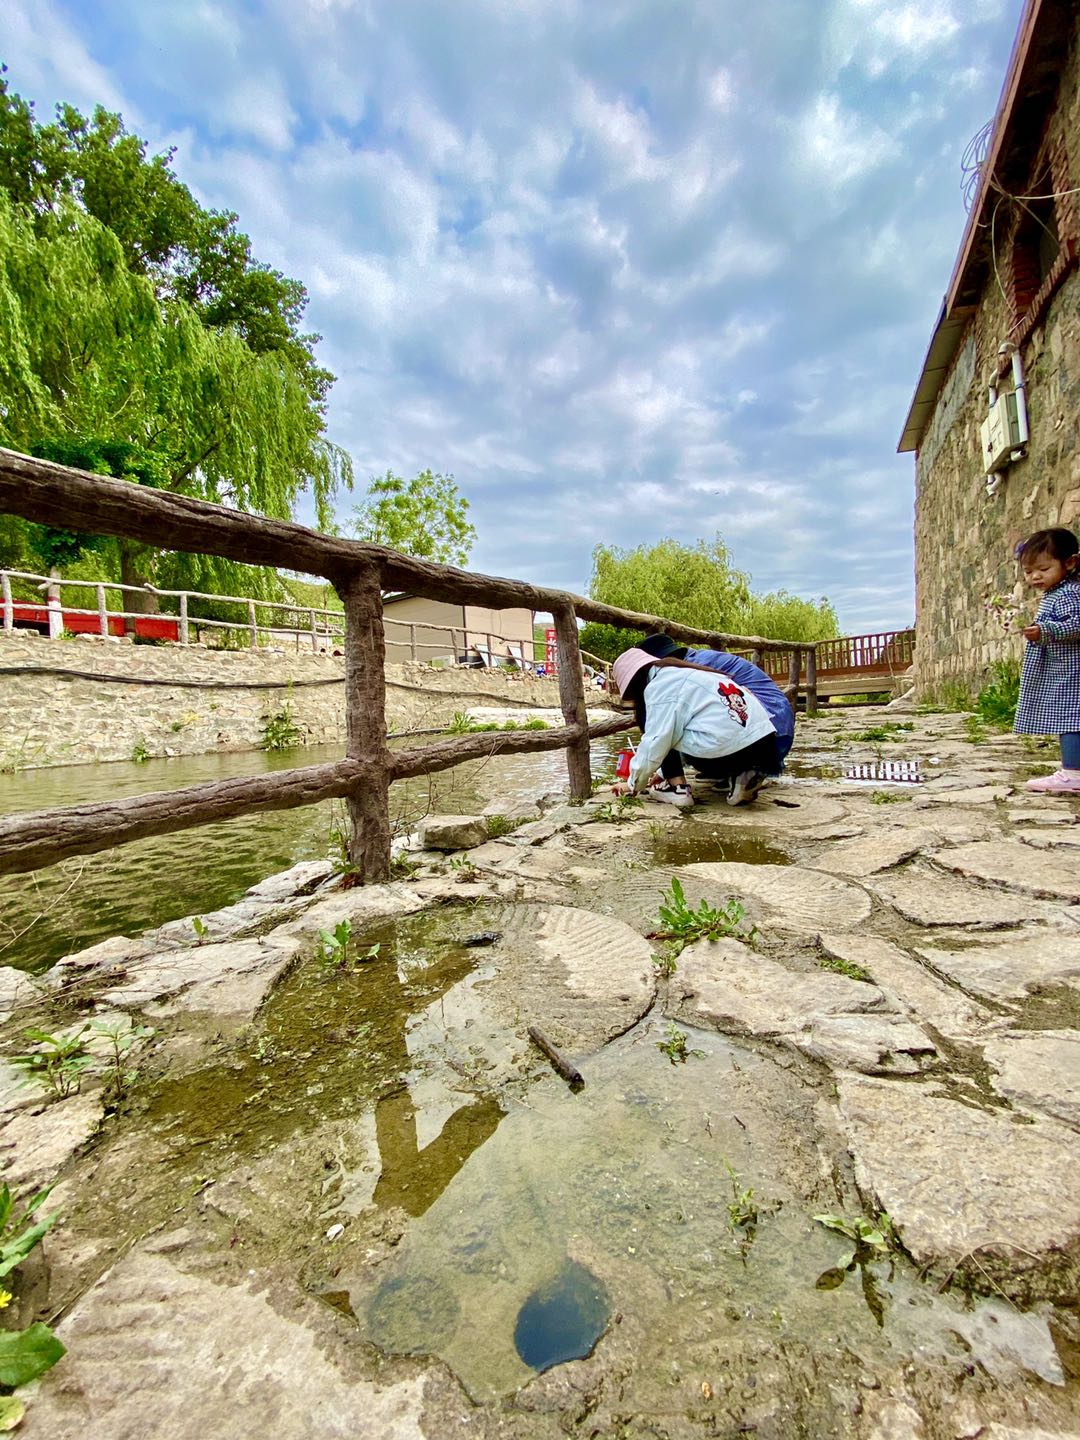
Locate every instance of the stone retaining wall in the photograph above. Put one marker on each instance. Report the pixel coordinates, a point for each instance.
(205, 700)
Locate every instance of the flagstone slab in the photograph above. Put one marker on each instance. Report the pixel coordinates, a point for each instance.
(954, 1178)
(976, 795)
(930, 899)
(724, 983)
(154, 1351)
(873, 1044)
(1011, 865)
(1039, 1070)
(16, 988)
(1007, 968)
(783, 897)
(582, 978)
(910, 985)
(879, 851)
(35, 1143)
(231, 978)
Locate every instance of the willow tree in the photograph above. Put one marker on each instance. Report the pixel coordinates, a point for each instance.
(132, 317)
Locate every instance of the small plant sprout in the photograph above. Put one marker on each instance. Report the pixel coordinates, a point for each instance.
(675, 1047)
(17, 1235)
(865, 1235)
(888, 797)
(681, 924)
(463, 868)
(742, 1208)
(280, 730)
(121, 1037)
(139, 752)
(199, 925)
(336, 948)
(58, 1062)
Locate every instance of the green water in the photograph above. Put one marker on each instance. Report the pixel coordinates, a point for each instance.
(56, 911)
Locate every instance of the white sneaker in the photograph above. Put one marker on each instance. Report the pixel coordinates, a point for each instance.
(670, 794)
(744, 787)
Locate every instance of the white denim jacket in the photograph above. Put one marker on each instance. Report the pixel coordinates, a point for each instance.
(703, 715)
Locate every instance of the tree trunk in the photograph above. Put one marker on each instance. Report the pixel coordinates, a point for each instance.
(136, 566)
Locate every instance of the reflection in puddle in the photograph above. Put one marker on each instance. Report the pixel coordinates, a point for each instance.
(896, 772)
(562, 1320)
(695, 842)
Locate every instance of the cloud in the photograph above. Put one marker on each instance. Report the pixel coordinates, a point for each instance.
(626, 270)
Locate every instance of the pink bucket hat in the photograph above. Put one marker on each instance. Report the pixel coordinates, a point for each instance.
(627, 666)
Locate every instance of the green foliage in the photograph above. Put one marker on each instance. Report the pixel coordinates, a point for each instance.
(612, 812)
(698, 585)
(888, 797)
(199, 925)
(682, 924)
(133, 315)
(498, 825)
(336, 948)
(426, 517)
(674, 1045)
(139, 752)
(878, 734)
(742, 1208)
(997, 701)
(280, 731)
(26, 1354)
(122, 1037)
(864, 1234)
(17, 1235)
(59, 1061)
(844, 967)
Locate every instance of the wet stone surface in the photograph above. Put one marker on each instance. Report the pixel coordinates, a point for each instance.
(349, 1194)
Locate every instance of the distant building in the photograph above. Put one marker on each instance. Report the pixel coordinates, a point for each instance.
(995, 419)
(426, 630)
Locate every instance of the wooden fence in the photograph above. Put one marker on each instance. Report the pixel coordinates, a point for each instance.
(51, 494)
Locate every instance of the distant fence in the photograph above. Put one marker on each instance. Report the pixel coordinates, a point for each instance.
(49, 494)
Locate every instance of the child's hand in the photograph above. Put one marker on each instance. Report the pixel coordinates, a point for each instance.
(1032, 633)
(621, 787)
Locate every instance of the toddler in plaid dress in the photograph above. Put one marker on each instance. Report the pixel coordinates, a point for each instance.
(1050, 681)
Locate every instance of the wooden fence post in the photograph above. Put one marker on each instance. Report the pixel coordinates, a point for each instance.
(314, 633)
(185, 629)
(756, 657)
(811, 680)
(572, 700)
(412, 643)
(52, 600)
(253, 626)
(9, 609)
(102, 613)
(793, 677)
(365, 713)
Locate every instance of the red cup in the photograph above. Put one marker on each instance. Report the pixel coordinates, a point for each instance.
(622, 769)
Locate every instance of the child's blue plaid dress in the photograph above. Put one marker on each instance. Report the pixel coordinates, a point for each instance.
(1050, 682)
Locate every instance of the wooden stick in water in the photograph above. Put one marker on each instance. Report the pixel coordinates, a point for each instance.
(561, 1066)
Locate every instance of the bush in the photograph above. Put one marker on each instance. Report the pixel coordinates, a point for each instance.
(997, 701)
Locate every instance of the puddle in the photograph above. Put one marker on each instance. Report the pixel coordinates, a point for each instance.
(336, 1045)
(617, 1200)
(698, 841)
(563, 1320)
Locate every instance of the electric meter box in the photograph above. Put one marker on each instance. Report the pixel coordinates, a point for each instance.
(1000, 433)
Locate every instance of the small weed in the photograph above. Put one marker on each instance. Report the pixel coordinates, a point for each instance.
(265, 1050)
(844, 967)
(975, 729)
(536, 724)
(176, 726)
(622, 808)
(139, 753)
(24, 1354)
(402, 868)
(500, 825)
(682, 924)
(17, 1236)
(199, 925)
(336, 952)
(463, 868)
(58, 1062)
(742, 1208)
(280, 731)
(877, 734)
(675, 1047)
(666, 962)
(864, 1234)
(122, 1037)
(888, 797)
(996, 702)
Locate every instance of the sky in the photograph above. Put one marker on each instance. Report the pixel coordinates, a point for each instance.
(626, 269)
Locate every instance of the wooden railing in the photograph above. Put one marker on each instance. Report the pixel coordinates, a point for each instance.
(51, 494)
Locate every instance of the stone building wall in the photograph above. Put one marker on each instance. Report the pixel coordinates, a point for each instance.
(964, 540)
(205, 700)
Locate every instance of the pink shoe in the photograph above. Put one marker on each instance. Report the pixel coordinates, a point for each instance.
(1062, 782)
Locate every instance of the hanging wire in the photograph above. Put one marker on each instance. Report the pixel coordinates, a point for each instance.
(971, 163)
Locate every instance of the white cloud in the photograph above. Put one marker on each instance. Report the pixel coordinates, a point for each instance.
(839, 145)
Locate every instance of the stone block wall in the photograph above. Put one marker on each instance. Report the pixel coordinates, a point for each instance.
(964, 540)
(118, 699)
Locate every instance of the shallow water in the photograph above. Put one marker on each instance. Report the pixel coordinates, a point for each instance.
(136, 887)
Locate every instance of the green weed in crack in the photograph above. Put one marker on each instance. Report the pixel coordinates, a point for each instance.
(681, 923)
